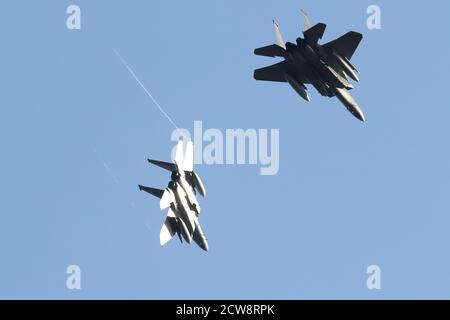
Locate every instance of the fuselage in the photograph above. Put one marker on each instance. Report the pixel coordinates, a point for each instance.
(190, 196)
(182, 209)
(187, 210)
(319, 73)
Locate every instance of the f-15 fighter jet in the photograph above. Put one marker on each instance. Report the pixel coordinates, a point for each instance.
(180, 197)
(326, 67)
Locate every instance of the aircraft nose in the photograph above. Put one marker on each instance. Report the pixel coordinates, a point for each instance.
(356, 111)
(205, 246)
(359, 114)
(349, 103)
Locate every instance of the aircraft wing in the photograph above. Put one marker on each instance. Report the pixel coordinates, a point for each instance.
(272, 73)
(314, 34)
(270, 51)
(345, 45)
(277, 72)
(155, 192)
(169, 228)
(165, 165)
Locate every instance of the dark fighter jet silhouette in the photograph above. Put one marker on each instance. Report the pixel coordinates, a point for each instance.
(326, 67)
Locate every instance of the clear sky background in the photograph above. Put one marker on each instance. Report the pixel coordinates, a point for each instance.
(76, 130)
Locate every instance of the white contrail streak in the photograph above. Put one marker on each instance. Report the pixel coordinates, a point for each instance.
(107, 168)
(109, 171)
(145, 89)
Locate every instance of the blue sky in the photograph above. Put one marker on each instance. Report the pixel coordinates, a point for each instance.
(76, 130)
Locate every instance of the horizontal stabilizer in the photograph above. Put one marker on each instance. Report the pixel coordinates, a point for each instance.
(165, 165)
(345, 45)
(155, 192)
(270, 51)
(272, 73)
(314, 34)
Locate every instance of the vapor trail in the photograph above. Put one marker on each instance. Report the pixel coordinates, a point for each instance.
(145, 89)
(105, 165)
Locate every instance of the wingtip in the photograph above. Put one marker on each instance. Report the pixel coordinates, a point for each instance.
(151, 161)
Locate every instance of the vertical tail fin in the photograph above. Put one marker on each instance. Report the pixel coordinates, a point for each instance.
(188, 161)
(306, 23)
(278, 37)
(184, 159)
(179, 154)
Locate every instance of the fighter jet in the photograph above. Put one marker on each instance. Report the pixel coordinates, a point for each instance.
(180, 197)
(326, 67)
